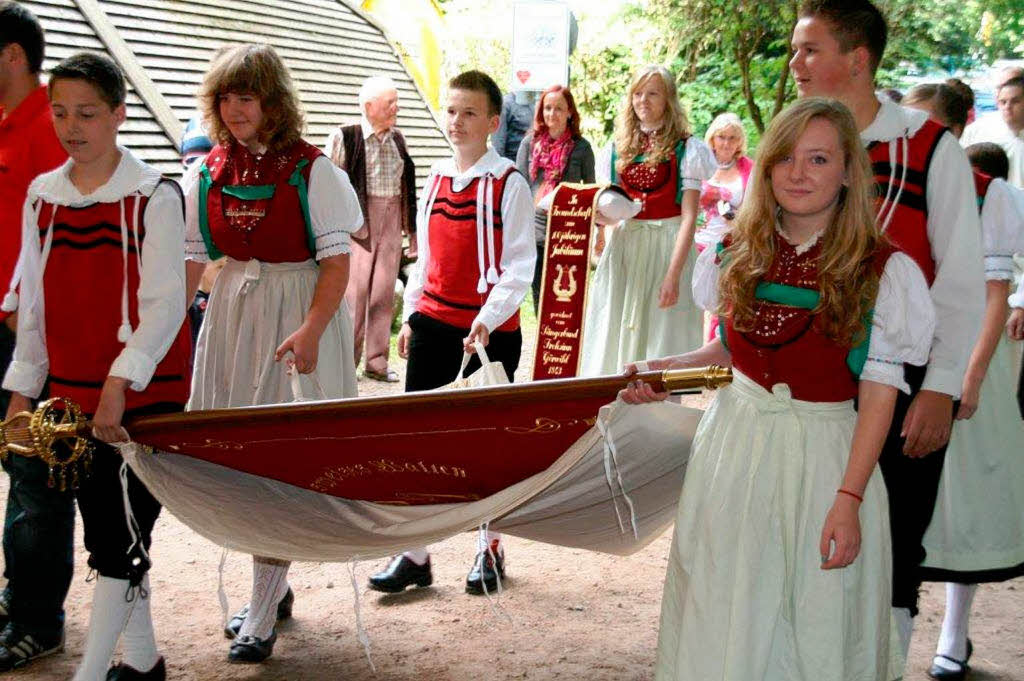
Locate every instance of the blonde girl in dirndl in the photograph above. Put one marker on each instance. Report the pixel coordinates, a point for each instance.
(639, 302)
(780, 561)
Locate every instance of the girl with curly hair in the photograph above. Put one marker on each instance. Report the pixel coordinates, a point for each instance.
(283, 214)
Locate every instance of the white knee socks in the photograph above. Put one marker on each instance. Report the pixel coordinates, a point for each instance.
(138, 640)
(110, 613)
(953, 639)
(269, 585)
(905, 626)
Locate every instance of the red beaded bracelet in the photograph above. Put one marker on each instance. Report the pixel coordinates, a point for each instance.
(849, 493)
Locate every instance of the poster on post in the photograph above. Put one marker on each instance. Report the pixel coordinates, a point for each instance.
(540, 44)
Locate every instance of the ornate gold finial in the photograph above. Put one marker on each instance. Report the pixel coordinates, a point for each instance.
(53, 420)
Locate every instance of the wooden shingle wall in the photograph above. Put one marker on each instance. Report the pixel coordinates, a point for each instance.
(329, 47)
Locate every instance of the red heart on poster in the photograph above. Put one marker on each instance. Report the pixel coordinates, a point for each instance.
(523, 76)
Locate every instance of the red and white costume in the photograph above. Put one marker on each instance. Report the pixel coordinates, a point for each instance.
(115, 312)
(481, 265)
(745, 596)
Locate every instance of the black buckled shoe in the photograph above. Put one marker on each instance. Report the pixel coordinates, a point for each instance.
(284, 611)
(122, 672)
(485, 573)
(939, 672)
(18, 648)
(400, 573)
(251, 650)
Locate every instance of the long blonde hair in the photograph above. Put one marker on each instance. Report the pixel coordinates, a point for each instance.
(629, 139)
(256, 70)
(847, 278)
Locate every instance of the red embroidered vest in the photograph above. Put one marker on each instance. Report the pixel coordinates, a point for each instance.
(785, 345)
(908, 229)
(657, 187)
(453, 271)
(82, 286)
(257, 206)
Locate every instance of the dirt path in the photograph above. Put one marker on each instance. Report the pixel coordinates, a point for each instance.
(567, 614)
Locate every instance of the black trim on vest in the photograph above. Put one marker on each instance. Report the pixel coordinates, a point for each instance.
(885, 170)
(449, 303)
(95, 243)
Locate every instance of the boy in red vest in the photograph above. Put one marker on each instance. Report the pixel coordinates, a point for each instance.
(476, 260)
(100, 322)
(926, 206)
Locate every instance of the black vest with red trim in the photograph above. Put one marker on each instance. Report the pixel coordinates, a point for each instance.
(908, 229)
(786, 345)
(453, 271)
(240, 222)
(82, 287)
(657, 186)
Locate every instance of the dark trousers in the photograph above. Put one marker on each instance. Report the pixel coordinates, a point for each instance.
(435, 353)
(39, 530)
(38, 541)
(913, 485)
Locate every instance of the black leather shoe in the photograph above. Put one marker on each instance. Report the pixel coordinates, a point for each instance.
(251, 650)
(485, 572)
(943, 674)
(400, 573)
(284, 611)
(122, 672)
(18, 647)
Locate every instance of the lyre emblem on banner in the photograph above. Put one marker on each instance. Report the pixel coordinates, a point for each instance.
(563, 294)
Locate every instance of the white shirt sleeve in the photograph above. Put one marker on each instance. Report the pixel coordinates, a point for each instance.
(705, 279)
(333, 208)
(161, 294)
(1002, 231)
(195, 246)
(698, 164)
(30, 363)
(417, 274)
(902, 325)
(518, 254)
(958, 291)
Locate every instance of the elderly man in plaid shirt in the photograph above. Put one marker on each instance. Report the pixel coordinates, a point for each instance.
(373, 153)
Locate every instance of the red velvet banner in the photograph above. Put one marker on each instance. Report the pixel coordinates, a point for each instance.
(563, 298)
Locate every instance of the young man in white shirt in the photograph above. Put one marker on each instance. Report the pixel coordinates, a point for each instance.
(476, 261)
(927, 207)
(101, 323)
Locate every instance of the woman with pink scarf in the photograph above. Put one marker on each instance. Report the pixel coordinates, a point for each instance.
(551, 153)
